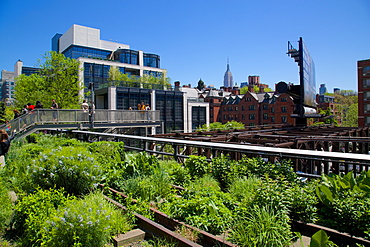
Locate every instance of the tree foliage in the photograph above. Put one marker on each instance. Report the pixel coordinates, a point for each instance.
(219, 126)
(118, 78)
(57, 79)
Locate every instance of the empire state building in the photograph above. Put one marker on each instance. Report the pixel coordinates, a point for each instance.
(228, 77)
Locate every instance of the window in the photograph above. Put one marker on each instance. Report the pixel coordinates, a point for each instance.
(367, 108)
(236, 108)
(243, 117)
(367, 95)
(366, 70)
(283, 99)
(367, 121)
(272, 109)
(272, 119)
(251, 108)
(366, 82)
(251, 116)
(284, 119)
(230, 108)
(248, 99)
(242, 108)
(252, 124)
(283, 109)
(265, 116)
(265, 107)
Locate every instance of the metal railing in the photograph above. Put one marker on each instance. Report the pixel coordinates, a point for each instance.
(61, 116)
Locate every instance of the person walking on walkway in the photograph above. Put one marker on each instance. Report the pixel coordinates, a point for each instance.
(54, 106)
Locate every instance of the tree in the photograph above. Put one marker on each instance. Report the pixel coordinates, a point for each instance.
(351, 116)
(57, 79)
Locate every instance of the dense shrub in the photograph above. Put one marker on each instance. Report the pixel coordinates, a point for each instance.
(84, 222)
(179, 175)
(198, 166)
(6, 206)
(72, 168)
(33, 210)
(151, 188)
(202, 206)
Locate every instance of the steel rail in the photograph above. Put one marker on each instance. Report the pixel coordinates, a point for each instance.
(259, 150)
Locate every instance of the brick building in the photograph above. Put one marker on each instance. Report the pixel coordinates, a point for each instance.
(363, 76)
(254, 109)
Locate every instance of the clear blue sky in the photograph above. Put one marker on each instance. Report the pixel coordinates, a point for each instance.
(195, 37)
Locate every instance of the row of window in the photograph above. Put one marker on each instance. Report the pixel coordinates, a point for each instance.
(252, 108)
(284, 119)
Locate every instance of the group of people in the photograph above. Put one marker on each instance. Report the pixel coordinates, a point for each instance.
(27, 108)
(143, 107)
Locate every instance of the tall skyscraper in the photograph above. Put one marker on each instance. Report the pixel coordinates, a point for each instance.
(228, 77)
(322, 89)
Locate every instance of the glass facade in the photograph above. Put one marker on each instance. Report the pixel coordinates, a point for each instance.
(131, 97)
(170, 105)
(127, 56)
(153, 73)
(55, 42)
(30, 70)
(198, 116)
(97, 73)
(80, 51)
(151, 60)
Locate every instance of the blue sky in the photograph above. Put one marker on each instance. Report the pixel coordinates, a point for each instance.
(195, 38)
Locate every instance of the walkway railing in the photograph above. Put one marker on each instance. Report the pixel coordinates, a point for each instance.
(61, 116)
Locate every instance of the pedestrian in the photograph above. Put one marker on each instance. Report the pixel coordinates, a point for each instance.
(24, 112)
(85, 106)
(30, 109)
(54, 106)
(91, 111)
(39, 107)
(5, 142)
(16, 113)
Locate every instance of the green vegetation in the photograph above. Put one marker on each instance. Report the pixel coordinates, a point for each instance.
(250, 200)
(231, 125)
(147, 81)
(57, 79)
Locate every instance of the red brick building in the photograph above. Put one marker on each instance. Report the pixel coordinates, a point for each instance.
(254, 109)
(363, 76)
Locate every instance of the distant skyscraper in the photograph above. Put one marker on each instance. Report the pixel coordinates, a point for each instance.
(322, 89)
(228, 78)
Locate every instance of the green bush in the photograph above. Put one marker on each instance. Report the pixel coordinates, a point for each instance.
(71, 168)
(345, 202)
(243, 189)
(90, 221)
(6, 206)
(150, 188)
(33, 210)
(202, 206)
(198, 166)
(262, 226)
(179, 174)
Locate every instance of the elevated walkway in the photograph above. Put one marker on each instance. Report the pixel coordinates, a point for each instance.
(48, 119)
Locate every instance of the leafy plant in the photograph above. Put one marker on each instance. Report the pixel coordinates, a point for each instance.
(72, 168)
(262, 226)
(90, 221)
(198, 166)
(33, 210)
(205, 207)
(6, 206)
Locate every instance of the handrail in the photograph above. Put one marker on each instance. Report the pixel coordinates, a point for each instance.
(62, 116)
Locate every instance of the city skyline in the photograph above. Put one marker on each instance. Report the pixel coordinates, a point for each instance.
(196, 38)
